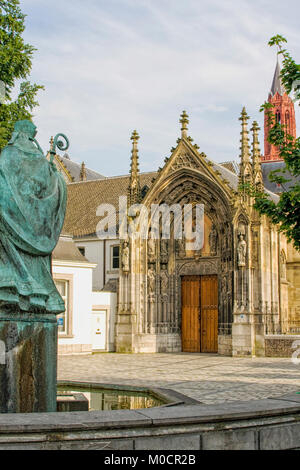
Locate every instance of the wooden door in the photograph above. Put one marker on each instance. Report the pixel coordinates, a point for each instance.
(190, 300)
(199, 299)
(209, 314)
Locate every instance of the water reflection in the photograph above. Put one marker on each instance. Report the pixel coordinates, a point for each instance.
(102, 399)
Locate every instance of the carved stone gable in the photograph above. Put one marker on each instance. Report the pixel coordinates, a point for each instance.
(185, 160)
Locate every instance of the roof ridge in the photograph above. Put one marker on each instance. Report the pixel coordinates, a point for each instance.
(112, 177)
(76, 163)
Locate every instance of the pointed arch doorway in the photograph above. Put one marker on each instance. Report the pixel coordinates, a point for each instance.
(199, 313)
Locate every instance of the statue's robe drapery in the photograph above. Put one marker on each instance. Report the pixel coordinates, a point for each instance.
(32, 211)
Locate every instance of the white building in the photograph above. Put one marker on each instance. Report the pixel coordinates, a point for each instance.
(87, 325)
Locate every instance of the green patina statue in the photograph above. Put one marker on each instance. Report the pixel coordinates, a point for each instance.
(32, 211)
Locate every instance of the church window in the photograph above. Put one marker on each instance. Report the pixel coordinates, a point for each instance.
(115, 257)
(287, 122)
(278, 117)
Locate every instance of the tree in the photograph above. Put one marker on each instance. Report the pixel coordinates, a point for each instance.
(15, 65)
(286, 212)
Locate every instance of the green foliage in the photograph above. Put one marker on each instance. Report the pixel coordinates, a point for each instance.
(286, 212)
(15, 65)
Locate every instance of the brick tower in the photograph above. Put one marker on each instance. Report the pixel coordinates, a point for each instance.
(285, 114)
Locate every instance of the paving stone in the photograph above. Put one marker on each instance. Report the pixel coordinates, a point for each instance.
(204, 377)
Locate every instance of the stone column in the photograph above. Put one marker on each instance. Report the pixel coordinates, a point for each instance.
(28, 367)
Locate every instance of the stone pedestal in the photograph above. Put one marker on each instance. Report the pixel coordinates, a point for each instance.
(248, 335)
(125, 330)
(28, 367)
(242, 335)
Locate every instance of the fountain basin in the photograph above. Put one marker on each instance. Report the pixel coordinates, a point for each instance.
(87, 396)
(266, 424)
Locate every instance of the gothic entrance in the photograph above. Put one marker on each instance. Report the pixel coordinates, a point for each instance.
(199, 307)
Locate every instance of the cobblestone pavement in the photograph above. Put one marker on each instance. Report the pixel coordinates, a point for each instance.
(204, 377)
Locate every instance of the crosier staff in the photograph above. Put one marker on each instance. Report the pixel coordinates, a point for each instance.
(62, 146)
(59, 144)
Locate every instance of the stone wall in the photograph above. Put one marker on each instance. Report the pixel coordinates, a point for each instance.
(225, 345)
(280, 345)
(65, 349)
(271, 424)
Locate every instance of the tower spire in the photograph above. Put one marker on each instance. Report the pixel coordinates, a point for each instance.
(134, 184)
(184, 124)
(277, 86)
(256, 156)
(284, 111)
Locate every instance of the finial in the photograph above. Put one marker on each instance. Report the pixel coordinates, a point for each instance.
(245, 165)
(244, 115)
(244, 137)
(256, 155)
(51, 141)
(255, 128)
(83, 172)
(134, 136)
(134, 184)
(184, 122)
(255, 142)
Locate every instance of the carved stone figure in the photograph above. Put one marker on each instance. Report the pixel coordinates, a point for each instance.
(151, 280)
(282, 265)
(151, 248)
(164, 280)
(164, 248)
(125, 257)
(180, 248)
(242, 250)
(213, 241)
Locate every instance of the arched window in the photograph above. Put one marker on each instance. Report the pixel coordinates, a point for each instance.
(287, 122)
(278, 117)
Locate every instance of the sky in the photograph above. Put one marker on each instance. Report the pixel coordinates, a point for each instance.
(112, 66)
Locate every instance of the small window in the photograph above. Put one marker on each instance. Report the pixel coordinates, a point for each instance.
(62, 318)
(82, 250)
(278, 117)
(115, 261)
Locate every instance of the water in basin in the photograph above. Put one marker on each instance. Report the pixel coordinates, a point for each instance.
(113, 399)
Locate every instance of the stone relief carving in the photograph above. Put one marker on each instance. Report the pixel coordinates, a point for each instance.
(164, 249)
(125, 257)
(199, 267)
(254, 251)
(185, 160)
(151, 280)
(282, 265)
(151, 249)
(213, 241)
(180, 248)
(241, 250)
(164, 281)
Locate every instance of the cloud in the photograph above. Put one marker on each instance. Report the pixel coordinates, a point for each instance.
(111, 67)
